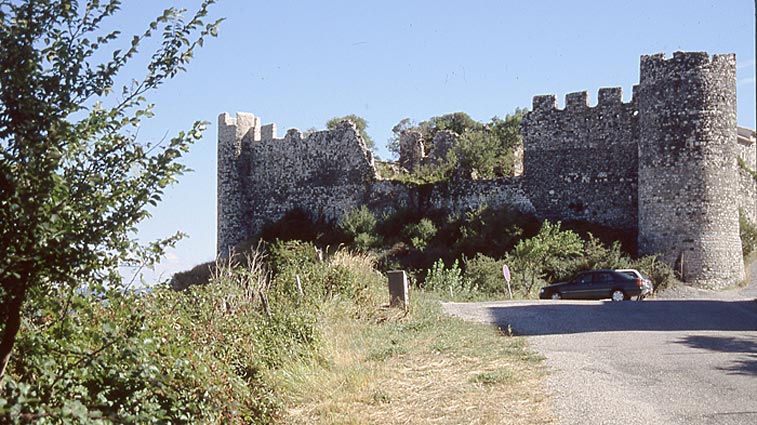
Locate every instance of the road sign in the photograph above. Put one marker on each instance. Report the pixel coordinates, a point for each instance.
(506, 272)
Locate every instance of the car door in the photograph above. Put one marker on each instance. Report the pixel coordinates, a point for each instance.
(580, 287)
(602, 283)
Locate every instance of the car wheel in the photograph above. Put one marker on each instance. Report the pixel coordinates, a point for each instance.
(618, 295)
(556, 296)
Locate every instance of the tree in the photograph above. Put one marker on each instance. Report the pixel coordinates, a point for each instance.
(393, 144)
(545, 254)
(359, 122)
(478, 153)
(457, 122)
(490, 149)
(74, 178)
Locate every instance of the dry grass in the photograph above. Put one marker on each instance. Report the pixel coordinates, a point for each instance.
(421, 368)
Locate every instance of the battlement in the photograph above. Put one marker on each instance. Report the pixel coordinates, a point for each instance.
(545, 102)
(661, 167)
(658, 65)
(607, 97)
(244, 127)
(268, 132)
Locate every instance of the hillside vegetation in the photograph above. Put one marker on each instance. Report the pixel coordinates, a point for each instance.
(464, 254)
(290, 336)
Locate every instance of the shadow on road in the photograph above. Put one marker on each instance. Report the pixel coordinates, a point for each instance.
(552, 318)
(747, 365)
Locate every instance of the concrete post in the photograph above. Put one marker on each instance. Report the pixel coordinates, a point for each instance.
(398, 290)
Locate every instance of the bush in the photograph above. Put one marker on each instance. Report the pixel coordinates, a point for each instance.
(447, 280)
(201, 355)
(299, 224)
(748, 232)
(485, 273)
(474, 150)
(162, 356)
(661, 274)
(490, 231)
(420, 233)
(360, 225)
(598, 256)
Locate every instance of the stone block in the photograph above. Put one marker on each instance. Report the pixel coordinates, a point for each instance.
(398, 290)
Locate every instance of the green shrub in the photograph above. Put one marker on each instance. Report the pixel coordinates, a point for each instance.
(420, 233)
(545, 257)
(748, 232)
(598, 256)
(283, 256)
(485, 273)
(358, 220)
(201, 355)
(299, 224)
(448, 281)
(490, 231)
(360, 225)
(163, 356)
(474, 150)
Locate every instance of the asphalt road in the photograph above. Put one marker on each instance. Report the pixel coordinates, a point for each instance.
(663, 361)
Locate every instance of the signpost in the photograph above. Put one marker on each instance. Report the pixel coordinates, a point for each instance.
(506, 274)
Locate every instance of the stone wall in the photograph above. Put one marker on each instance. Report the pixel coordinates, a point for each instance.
(580, 162)
(233, 134)
(662, 166)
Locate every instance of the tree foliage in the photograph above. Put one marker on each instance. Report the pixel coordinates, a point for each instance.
(74, 178)
(483, 150)
(359, 122)
(748, 233)
(545, 255)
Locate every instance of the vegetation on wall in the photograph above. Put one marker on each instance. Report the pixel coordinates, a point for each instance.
(360, 123)
(482, 151)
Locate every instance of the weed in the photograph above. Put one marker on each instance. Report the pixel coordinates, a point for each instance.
(424, 367)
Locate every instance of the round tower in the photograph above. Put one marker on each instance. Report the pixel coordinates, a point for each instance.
(234, 139)
(688, 177)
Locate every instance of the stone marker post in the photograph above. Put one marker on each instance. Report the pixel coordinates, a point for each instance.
(398, 289)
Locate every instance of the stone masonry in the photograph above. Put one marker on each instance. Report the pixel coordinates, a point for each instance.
(662, 166)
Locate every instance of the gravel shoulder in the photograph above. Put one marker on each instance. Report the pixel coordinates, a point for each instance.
(688, 356)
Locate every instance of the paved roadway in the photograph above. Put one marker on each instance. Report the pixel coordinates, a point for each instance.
(662, 361)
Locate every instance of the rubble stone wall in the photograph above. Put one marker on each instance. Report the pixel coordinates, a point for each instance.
(662, 166)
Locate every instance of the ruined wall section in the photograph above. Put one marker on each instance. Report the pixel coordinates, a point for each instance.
(235, 135)
(688, 178)
(464, 195)
(325, 173)
(580, 162)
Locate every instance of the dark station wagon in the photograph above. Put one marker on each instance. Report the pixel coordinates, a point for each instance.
(595, 285)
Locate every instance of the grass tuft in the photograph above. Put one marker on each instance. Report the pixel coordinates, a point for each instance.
(421, 367)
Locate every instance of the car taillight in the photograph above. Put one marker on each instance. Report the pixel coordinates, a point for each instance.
(639, 283)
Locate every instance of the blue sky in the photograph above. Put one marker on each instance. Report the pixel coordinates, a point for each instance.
(299, 64)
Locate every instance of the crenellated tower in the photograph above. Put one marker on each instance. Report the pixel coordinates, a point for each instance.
(235, 137)
(688, 177)
(661, 169)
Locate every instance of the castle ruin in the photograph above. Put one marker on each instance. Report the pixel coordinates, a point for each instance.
(662, 166)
